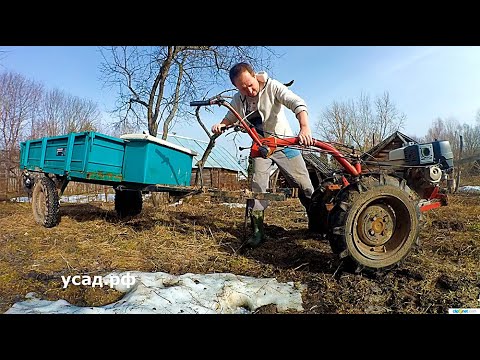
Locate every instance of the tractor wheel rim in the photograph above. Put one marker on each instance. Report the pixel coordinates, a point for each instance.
(376, 224)
(381, 227)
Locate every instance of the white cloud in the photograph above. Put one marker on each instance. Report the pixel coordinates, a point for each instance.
(420, 54)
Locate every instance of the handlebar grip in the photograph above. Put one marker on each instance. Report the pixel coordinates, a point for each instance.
(200, 103)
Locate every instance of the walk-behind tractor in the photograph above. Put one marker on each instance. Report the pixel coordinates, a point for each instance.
(370, 211)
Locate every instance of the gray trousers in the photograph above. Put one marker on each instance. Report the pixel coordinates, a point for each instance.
(293, 169)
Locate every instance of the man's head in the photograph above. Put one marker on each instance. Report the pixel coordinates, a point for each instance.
(243, 78)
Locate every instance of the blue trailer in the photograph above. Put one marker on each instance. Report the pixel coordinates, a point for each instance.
(131, 164)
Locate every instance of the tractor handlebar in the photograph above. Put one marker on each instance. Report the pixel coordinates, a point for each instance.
(200, 102)
(266, 145)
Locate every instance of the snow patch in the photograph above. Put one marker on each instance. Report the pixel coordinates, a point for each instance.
(469, 189)
(162, 293)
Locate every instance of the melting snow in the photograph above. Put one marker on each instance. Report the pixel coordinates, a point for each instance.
(73, 198)
(234, 205)
(469, 189)
(162, 293)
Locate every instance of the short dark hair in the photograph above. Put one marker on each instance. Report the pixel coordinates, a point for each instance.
(239, 68)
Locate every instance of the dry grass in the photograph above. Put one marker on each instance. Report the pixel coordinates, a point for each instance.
(206, 237)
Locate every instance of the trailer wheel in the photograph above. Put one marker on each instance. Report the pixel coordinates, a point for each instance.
(128, 202)
(375, 223)
(45, 202)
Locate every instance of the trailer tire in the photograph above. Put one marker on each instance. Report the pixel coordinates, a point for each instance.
(128, 202)
(375, 223)
(45, 202)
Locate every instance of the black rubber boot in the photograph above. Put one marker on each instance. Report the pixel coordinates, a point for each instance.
(258, 235)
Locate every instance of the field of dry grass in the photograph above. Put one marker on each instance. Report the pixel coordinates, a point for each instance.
(203, 237)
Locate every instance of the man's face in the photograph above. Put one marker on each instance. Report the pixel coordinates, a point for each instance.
(247, 84)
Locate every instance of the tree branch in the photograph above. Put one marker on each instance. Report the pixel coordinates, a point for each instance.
(175, 101)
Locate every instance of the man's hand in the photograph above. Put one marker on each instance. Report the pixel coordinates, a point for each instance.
(219, 128)
(305, 136)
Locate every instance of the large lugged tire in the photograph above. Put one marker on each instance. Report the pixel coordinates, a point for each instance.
(318, 213)
(45, 202)
(128, 202)
(375, 223)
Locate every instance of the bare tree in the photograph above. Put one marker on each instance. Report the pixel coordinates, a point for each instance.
(363, 133)
(436, 130)
(356, 123)
(61, 113)
(471, 138)
(27, 111)
(388, 118)
(50, 113)
(419, 139)
(451, 130)
(18, 99)
(334, 124)
(80, 115)
(448, 129)
(156, 84)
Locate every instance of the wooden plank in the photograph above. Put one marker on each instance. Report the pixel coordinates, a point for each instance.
(223, 194)
(246, 194)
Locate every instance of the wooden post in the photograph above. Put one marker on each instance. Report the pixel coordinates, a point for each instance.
(275, 179)
(457, 182)
(294, 192)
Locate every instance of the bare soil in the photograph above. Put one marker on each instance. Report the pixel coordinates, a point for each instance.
(206, 237)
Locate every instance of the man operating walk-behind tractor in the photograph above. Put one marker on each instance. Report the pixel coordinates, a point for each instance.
(260, 100)
(371, 215)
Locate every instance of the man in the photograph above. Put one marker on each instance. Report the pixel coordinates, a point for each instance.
(261, 100)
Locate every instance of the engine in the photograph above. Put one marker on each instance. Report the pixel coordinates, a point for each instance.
(424, 165)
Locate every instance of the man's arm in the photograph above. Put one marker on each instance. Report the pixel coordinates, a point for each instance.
(288, 98)
(305, 134)
(296, 104)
